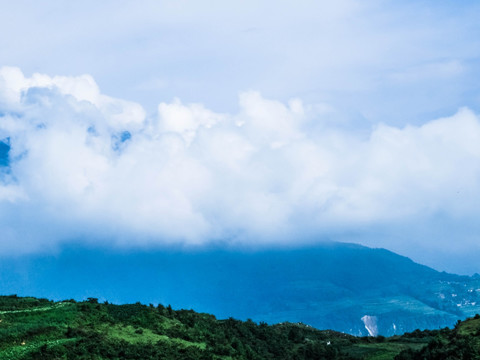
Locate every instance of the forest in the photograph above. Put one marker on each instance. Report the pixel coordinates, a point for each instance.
(32, 328)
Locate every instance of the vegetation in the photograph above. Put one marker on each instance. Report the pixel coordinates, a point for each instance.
(328, 286)
(33, 328)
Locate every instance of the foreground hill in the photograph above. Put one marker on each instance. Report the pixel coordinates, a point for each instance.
(344, 287)
(33, 328)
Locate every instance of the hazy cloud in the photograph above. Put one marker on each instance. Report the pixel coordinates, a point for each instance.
(85, 165)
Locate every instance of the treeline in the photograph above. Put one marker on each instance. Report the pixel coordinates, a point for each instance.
(221, 338)
(462, 342)
(41, 329)
(84, 330)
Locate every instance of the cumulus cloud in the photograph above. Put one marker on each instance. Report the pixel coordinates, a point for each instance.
(83, 165)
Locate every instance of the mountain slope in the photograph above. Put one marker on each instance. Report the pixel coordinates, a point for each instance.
(40, 329)
(344, 287)
(33, 328)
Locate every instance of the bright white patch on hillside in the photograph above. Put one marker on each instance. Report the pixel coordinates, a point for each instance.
(370, 323)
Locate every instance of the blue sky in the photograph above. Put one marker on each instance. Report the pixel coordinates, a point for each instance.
(138, 124)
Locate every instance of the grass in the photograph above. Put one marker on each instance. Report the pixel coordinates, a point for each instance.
(16, 352)
(381, 351)
(469, 327)
(139, 335)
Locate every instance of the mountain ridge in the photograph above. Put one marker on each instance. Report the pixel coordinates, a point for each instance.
(331, 285)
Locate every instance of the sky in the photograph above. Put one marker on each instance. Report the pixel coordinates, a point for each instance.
(142, 124)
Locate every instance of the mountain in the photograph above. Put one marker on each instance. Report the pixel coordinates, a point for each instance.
(343, 287)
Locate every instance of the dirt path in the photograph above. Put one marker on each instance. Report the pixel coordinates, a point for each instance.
(46, 308)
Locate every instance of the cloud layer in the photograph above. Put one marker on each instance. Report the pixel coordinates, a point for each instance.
(83, 165)
(381, 60)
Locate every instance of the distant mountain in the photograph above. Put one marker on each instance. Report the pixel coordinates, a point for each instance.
(343, 287)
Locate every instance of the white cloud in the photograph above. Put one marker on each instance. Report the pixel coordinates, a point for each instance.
(388, 61)
(85, 165)
(185, 120)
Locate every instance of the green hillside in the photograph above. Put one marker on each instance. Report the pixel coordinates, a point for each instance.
(33, 328)
(328, 286)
